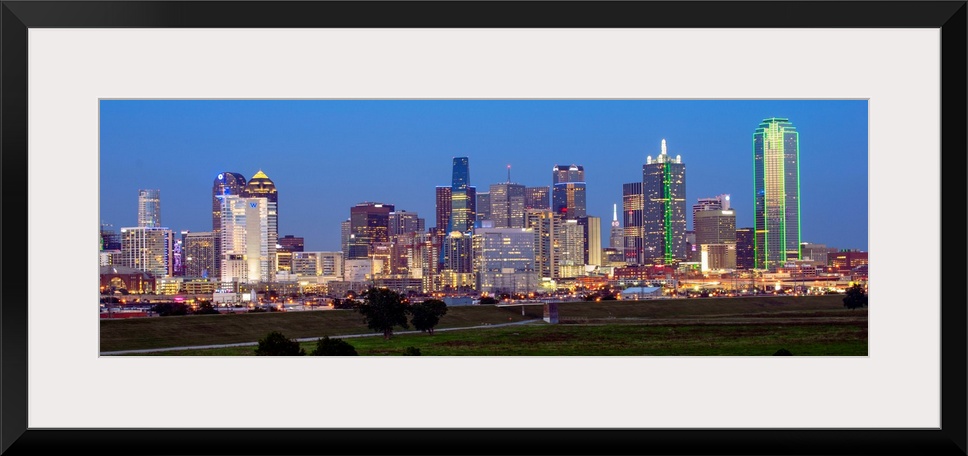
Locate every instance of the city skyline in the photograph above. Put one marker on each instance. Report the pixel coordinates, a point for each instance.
(326, 156)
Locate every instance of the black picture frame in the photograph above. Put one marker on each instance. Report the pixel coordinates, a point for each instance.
(18, 16)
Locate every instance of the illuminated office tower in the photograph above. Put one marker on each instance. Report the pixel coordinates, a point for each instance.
(716, 238)
(745, 251)
(617, 233)
(716, 203)
(246, 250)
(369, 225)
(260, 186)
(149, 208)
(285, 248)
(507, 205)
(148, 249)
(592, 238)
(504, 259)
(463, 197)
(568, 194)
(443, 207)
(483, 206)
(226, 183)
(403, 222)
(664, 209)
(537, 198)
(632, 207)
(198, 250)
(571, 249)
(547, 228)
(776, 192)
(344, 237)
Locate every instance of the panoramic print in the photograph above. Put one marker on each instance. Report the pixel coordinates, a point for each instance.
(483, 227)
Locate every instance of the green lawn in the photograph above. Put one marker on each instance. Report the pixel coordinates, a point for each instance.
(810, 326)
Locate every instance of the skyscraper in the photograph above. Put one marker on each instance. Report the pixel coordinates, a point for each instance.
(483, 206)
(462, 202)
(199, 253)
(246, 250)
(548, 232)
(149, 208)
(716, 203)
(776, 192)
(715, 227)
(148, 249)
(592, 239)
(403, 222)
(537, 198)
(632, 207)
(504, 260)
(745, 250)
(568, 194)
(226, 183)
(260, 186)
(443, 206)
(507, 205)
(664, 214)
(369, 225)
(616, 234)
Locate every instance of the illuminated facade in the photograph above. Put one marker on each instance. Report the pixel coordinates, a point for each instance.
(507, 205)
(443, 206)
(776, 191)
(369, 225)
(149, 208)
(716, 203)
(483, 206)
(664, 209)
(148, 249)
(715, 227)
(592, 239)
(616, 234)
(745, 250)
(198, 250)
(226, 183)
(547, 228)
(260, 186)
(504, 259)
(537, 198)
(403, 222)
(463, 197)
(246, 250)
(568, 195)
(632, 207)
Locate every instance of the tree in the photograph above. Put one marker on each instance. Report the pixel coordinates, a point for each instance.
(205, 308)
(382, 309)
(488, 300)
(427, 314)
(856, 297)
(333, 347)
(166, 309)
(276, 344)
(782, 352)
(411, 351)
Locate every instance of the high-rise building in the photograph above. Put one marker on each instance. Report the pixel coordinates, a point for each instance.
(716, 203)
(344, 237)
(148, 249)
(715, 227)
(568, 194)
(818, 253)
(198, 250)
(745, 250)
(507, 205)
(287, 245)
(260, 186)
(483, 206)
(110, 239)
(776, 192)
(571, 249)
(226, 183)
(369, 225)
(592, 239)
(247, 253)
(664, 214)
(617, 233)
(537, 198)
(547, 229)
(457, 252)
(463, 197)
(443, 207)
(632, 206)
(149, 208)
(314, 264)
(403, 222)
(504, 260)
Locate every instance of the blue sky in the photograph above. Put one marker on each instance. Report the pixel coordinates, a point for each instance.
(327, 155)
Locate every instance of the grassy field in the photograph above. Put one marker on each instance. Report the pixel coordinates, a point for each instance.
(811, 326)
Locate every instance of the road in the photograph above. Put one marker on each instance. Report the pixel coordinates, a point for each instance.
(306, 339)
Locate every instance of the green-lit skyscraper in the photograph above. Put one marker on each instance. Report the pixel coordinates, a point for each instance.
(776, 190)
(664, 209)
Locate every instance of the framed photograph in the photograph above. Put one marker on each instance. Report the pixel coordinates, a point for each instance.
(71, 68)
